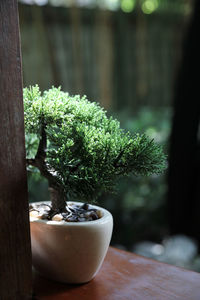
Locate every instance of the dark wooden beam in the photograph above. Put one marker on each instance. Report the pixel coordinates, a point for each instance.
(15, 250)
(184, 158)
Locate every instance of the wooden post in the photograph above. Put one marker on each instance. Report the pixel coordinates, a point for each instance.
(184, 160)
(15, 251)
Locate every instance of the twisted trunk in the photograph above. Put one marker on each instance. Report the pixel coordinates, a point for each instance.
(57, 195)
(58, 200)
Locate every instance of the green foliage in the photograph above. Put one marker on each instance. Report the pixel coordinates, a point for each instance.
(127, 6)
(86, 151)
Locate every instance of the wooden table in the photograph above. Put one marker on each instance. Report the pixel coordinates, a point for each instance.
(126, 276)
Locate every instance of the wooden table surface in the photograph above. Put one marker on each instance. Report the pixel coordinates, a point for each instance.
(126, 276)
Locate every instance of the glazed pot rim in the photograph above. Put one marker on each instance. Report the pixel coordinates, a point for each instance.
(106, 215)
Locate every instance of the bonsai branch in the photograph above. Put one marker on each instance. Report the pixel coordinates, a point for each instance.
(55, 187)
(121, 153)
(116, 161)
(41, 152)
(39, 160)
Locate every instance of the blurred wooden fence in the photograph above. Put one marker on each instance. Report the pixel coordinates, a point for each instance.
(121, 60)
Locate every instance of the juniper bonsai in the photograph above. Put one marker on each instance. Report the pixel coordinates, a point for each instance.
(80, 150)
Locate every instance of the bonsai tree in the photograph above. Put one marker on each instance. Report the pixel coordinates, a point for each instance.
(79, 149)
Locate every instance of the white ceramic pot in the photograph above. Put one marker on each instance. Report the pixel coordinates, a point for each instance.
(70, 252)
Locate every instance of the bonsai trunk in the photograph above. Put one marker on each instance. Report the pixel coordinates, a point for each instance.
(58, 200)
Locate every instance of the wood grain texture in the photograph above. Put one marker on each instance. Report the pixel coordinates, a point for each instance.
(126, 276)
(15, 252)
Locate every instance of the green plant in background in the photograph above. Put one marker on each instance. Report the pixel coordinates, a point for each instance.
(78, 149)
(127, 6)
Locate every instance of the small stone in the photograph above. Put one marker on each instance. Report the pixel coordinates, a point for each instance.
(45, 216)
(34, 214)
(87, 215)
(82, 219)
(65, 215)
(57, 217)
(45, 207)
(40, 216)
(85, 206)
(99, 214)
(94, 216)
(71, 219)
